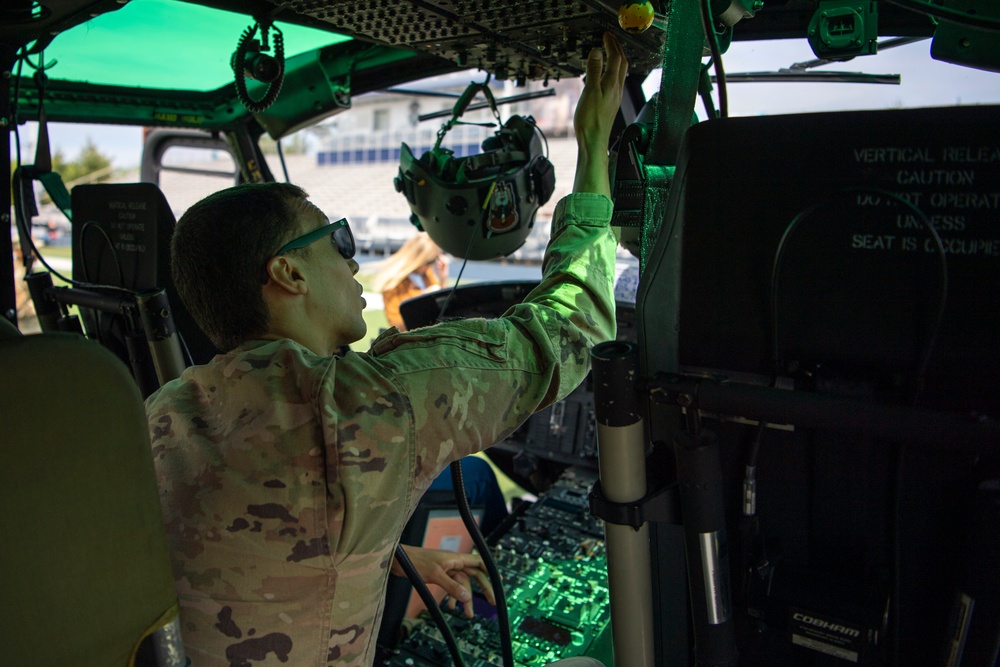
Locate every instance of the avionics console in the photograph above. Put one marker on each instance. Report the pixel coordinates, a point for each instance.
(552, 561)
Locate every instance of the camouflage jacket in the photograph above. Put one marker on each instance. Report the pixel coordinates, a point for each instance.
(286, 478)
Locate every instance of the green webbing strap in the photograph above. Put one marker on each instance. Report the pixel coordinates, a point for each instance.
(463, 103)
(495, 159)
(53, 184)
(42, 169)
(682, 52)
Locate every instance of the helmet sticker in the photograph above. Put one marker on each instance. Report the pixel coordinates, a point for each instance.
(503, 208)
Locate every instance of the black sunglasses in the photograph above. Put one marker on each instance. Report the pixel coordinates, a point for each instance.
(340, 235)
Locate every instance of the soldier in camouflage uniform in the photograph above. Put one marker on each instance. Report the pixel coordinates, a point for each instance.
(286, 473)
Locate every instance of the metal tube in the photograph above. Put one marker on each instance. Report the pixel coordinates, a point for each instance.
(916, 426)
(46, 310)
(622, 461)
(8, 291)
(161, 335)
(74, 296)
(168, 645)
(138, 356)
(699, 473)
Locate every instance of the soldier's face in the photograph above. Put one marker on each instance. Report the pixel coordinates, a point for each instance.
(337, 302)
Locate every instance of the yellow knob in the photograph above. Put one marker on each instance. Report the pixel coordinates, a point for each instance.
(635, 17)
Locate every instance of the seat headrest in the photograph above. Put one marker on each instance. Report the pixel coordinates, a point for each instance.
(130, 246)
(8, 329)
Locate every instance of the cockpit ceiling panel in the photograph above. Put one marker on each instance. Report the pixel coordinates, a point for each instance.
(519, 40)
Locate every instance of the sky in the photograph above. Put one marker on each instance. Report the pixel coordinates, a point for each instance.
(925, 82)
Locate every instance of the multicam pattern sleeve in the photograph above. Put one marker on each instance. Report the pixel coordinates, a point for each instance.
(286, 478)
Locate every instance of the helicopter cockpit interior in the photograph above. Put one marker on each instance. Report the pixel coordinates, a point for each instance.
(791, 453)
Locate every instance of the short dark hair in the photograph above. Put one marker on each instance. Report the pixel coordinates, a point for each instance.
(218, 252)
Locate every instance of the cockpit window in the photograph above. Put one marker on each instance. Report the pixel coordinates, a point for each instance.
(771, 77)
(134, 47)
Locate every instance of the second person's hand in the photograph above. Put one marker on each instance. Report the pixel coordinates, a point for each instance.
(451, 571)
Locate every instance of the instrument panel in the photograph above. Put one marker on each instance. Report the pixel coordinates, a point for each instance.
(519, 40)
(554, 566)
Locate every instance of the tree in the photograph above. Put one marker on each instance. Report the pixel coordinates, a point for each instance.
(293, 145)
(90, 161)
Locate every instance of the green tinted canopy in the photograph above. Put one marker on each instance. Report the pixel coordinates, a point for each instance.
(164, 44)
(167, 63)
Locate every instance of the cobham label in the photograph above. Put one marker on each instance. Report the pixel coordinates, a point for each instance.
(824, 634)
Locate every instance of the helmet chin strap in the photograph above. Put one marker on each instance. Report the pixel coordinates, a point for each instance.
(462, 104)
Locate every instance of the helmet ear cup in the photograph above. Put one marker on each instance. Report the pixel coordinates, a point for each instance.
(438, 162)
(543, 179)
(493, 143)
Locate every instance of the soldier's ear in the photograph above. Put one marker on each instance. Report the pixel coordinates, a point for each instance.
(284, 273)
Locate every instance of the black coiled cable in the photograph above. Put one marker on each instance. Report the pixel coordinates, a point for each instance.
(239, 63)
